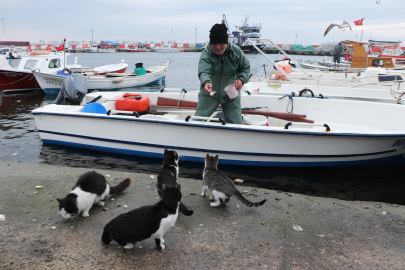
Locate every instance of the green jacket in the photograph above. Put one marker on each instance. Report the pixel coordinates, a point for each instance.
(221, 73)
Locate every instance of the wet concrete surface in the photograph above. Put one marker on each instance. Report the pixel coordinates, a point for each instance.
(335, 234)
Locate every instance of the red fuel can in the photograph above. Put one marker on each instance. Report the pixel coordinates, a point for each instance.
(132, 102)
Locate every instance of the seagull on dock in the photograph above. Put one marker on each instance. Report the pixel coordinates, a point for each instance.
(340, 26)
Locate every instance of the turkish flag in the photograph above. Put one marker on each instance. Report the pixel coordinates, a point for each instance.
(359, 22)
(60, 48)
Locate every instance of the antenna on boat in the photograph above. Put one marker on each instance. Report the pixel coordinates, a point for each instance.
(64, 55)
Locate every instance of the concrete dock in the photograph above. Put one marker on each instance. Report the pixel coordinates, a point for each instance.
(290, 231)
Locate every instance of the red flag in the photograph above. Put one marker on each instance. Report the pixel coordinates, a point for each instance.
(359, 22)
(60, 48)
(50, 47)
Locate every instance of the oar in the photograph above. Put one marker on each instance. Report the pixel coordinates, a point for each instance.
(253, 108)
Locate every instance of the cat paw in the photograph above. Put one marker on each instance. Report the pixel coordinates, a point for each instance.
(162, 246)
(85, 214)
(101, 203)
(214, 204)
(129, 246)
(203, 194)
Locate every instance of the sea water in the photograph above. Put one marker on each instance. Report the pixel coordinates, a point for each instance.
(20, 141)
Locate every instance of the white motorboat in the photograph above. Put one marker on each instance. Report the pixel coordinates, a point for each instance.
(22, 78)
(371, 78)
(51, 84)
(330, 132)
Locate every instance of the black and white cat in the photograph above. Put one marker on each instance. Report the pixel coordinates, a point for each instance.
(146, 221)
(221, 187)
(91, 188)
(168, 175)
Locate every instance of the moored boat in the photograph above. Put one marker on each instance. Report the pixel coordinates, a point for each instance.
(166, 48)
(22, 78)
(317, 132)
(52, 83)
(282, 73)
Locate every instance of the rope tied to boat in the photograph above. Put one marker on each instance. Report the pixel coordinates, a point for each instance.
(182, 92)
(397, 95)
(18, 80)
(290, 96)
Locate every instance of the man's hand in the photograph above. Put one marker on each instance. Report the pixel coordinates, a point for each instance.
(208, 88)
(238, 84)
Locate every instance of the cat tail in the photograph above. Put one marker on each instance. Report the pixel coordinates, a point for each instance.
(121, 186)
(246, 202)
(185, 210)
(106, 237)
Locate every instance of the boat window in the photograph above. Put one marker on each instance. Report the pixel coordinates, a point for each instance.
(30, 64)
(385, 78)
(378, 62)
(54, 63)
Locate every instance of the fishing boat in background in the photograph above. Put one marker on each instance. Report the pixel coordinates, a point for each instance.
(167, 47)
(95, 49)
(52, 83)
(388, 49)
(315, 132)
(22, 78)
(290, 71)
(245, 32)
(360, 60)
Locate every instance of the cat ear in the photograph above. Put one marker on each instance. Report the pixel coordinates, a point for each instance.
(72, 195)
(165, 149)
(216, 158)
(59, 200)
(179, 187)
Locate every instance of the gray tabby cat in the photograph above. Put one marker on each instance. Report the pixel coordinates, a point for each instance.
(220, 186)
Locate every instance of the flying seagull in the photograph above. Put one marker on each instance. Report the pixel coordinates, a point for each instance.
(340, 26)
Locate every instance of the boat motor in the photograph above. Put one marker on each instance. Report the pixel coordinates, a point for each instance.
(73, 90)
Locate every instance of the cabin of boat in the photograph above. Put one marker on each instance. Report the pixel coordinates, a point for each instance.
(22, 79)
(362, 60)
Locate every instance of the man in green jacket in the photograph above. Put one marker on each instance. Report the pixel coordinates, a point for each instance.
(221, 64)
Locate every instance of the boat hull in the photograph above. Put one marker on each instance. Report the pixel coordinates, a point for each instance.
(275, 149)
(51, 84)
(235, 144)
(16, 81)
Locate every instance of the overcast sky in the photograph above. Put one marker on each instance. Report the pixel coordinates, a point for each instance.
(287, 22)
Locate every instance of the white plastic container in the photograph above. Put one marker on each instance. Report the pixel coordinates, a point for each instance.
(231, 91)
(255, 120)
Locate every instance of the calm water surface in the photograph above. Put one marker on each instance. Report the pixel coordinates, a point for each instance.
(20, 142)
